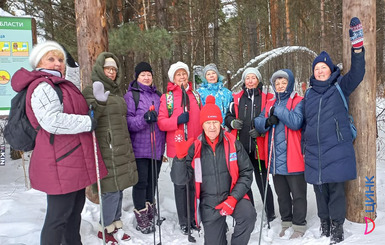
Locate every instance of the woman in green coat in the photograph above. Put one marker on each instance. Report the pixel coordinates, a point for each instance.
(114, 142)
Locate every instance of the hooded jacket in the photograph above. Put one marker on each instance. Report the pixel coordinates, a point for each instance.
(67, 163)
(328, 146)
(111, 132)
(286, 158)
(139, 129)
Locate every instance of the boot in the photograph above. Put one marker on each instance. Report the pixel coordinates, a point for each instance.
(151, 212)
(119, 231)
(108, 233)
(299, 231)
(325, 227)
(285, 225)
(337, 232)
(143, 223)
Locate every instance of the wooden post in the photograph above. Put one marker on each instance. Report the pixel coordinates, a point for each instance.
(92, 38)
(361, 192)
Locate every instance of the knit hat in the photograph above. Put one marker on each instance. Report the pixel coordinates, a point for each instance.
(176, 66)
(323, 57)
(41, 49)
(278, 74)
(110, 62)
(210, 67)
(210, 111)
(252, 70)
(142, 66)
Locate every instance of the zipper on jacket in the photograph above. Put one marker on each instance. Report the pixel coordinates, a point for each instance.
(319, 143)
(339, 134)
(112, 151)
(68, 153)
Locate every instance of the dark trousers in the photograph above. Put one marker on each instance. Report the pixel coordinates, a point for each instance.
(143, 191)
(291, 191)
(331, 202)
(180, 193)
(62, 220)
(261, 183)
(244, 216)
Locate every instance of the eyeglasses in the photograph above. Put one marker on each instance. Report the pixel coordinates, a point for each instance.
(111, 69)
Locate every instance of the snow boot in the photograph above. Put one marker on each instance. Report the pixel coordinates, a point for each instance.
(119, 231)
(151, 212)
(285, 225)
(143, 223)
(325, 227)
(108, 233)
(299, 231)
(336, 232)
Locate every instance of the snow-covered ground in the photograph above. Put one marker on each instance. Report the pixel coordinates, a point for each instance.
(22, 212)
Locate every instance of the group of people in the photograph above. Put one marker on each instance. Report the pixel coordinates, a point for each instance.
(215, 141)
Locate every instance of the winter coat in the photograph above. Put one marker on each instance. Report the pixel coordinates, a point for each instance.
(287, 158)
(216, 181)
(139, 129)
(111, 132)
(242, 109)
(63, 159)
(328, 146)
(170, 124)
(223, 96)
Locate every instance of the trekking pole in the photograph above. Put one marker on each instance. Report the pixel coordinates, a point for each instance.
(260, 174)
(267, 181)
(189, 237)
(98, 178)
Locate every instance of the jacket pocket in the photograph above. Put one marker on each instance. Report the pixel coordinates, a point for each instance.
(340, 137)
(68, 153)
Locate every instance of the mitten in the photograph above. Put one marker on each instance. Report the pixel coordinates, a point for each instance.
(236, 124)
(227, 207)
(183, 118)
(272, 120)
(181, 145)
(98, 90)
(151, 116)
(356, 33)
(254, 133)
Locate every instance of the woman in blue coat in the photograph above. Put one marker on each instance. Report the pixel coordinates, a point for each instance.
(328, 142)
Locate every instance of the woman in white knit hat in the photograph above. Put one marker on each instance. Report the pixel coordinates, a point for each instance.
(177, 113)
(62, 163)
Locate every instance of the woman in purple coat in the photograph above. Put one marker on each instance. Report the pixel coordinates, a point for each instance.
(142, 95)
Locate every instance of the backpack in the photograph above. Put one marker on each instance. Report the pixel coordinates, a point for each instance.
(353, 128)
(19, 132)
(136, 94)
(170, 101)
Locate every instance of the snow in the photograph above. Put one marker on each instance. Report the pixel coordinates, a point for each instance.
(22, 212)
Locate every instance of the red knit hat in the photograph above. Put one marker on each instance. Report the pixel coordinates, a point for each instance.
(210, 111)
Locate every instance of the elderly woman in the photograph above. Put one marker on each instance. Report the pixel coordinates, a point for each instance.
(62, 163)
(179, 109)
(212, 85)
(329, 154)
(114, 141)
(141, 96)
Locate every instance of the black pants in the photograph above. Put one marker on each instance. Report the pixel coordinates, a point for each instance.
(62, 220)
(143, 191)
(291, 191)
(331, 202)
(180, 193)
(261, 183)
(244, 216)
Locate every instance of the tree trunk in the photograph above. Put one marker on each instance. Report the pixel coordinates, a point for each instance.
(289, 37)
(216, 33)
(361, 192)
(322, 24)
(90, 15)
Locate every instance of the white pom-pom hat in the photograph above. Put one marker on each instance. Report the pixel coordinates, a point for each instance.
(176, 66)
(39, 50)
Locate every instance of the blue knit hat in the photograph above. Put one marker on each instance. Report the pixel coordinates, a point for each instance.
(324, 57)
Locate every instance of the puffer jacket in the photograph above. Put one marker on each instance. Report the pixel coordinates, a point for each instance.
(223, 96)
(170, 124)
(216, 179)
(67, 163)
(139, 129)
(111, 132)
(287, 136)
(328, 146)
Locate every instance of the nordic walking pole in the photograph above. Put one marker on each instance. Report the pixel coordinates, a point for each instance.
(98, 178)
(267, 181)
(189, 237)
(260, 174)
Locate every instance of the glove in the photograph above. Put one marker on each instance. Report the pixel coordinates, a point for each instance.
(227, 207)
(356, 34)
(98, 90)
(272, 120)
(254, 133)
(181, 145)
(150, 117)
(236, 124)
(183, 118)
(94, 122)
